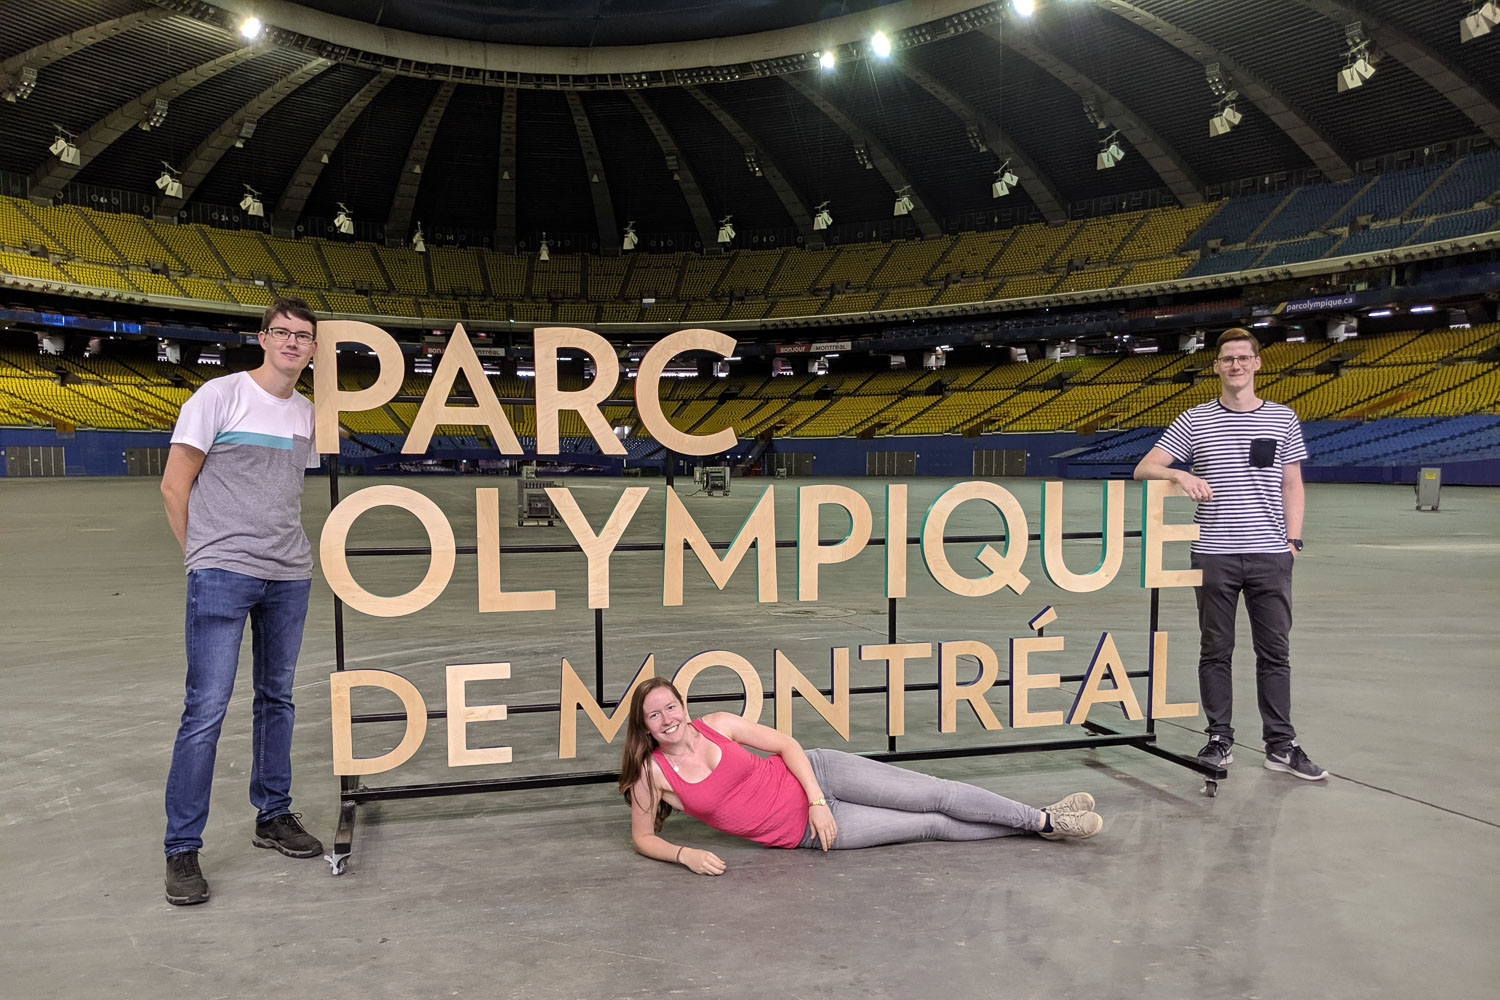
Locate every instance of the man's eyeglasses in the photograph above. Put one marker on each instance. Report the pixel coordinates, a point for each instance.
(1232, 360)
(280, 336)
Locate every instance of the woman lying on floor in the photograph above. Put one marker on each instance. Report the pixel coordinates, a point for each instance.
(797, 798)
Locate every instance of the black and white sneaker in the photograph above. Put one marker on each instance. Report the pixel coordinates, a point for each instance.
(1217, 752)
(1293, 761)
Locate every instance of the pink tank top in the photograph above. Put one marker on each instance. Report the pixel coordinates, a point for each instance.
(747, 795)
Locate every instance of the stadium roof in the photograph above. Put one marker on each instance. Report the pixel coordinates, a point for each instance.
(575, 117)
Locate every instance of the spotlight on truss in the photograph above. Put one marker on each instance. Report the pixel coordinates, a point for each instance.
(543, 250)
(251, 28)
(1023, 7)
(726, 231)
(64, 148)
(1480, 19)
(1004, 181)
(824, 218)
(880, 44)
(168, 183)
(417, 242)
(251, 204)
(155, 116)
(344, 220)
(827, 59)
(904, 204)
(629, 240)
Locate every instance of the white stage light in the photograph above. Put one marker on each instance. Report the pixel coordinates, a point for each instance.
(1004, 181)
(251, 203)
(344, 220)
(824, 218)
(543, 251)
(726, 231)
(250, 28)
(880, 45)
(826, 59)
(904, 204)
(417, 242)
(1023, 7)
(628, 240)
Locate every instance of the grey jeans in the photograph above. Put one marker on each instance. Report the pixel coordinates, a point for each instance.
(1265, 578)
(877, 803)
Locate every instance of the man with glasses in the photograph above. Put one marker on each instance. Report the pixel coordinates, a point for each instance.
(1246, 455)
(233, 493)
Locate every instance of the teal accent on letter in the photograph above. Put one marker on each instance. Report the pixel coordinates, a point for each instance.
(246, 437)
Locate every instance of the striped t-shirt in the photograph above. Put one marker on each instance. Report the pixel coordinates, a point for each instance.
(1240, 456)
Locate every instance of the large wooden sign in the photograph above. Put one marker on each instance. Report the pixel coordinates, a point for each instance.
(1002, 569)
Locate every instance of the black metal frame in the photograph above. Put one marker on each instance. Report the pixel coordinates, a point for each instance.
(352, 794)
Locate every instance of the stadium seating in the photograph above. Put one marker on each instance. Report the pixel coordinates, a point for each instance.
(1471, 180)
(1309, 208)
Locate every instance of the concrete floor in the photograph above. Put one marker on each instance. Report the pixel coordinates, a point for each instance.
(1379, 883)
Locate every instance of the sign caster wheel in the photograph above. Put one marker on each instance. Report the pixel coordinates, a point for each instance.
(1210, 787)
(336, 863)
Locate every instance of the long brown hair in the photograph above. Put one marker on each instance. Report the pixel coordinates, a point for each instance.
(635, 759)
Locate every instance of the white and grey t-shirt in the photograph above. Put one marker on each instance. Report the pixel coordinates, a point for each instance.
(245, 508)
(1240, 456)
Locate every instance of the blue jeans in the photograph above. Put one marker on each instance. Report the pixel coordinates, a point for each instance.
(218, 602)
(878, 803)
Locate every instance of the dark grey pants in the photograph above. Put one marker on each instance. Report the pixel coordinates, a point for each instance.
(1265, 578)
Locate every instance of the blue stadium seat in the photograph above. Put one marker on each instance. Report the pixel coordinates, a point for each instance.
(1473, 179)
(1311, 207)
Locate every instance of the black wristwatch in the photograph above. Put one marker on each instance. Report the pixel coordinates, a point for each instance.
(1295, 543)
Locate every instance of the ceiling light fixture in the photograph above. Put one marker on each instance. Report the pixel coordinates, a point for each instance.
(1004, 181)
(543, 250)
(827, 59)
(168, 183)
(629, 240)
(1359, 59)
(880, 44)
(1480, 19)
(904, 204)
(24, 84)
(1110, 153)
(824, 218)
(344, 220)
(417, 242)
(726, 231)
(251, 203)
(64, 148)
(251, 28)
(1023, 7)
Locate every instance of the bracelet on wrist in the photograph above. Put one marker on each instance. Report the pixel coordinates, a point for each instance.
(817, 802)
(678, 859)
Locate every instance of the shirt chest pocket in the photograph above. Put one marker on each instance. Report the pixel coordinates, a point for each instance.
(1262, 452)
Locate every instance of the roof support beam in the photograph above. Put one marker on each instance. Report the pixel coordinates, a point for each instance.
(505, 186)
(53, 174)
(49, 52)
(795, 208)
(893, 172)
(1040, 190)
(300, 187)
(1420, 59)
(1313, 143)
(398, 222)
(708, 231)
(1169, 166)
(222, 139)
(604, 206)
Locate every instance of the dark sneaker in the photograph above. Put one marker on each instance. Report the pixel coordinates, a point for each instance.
(1217, 752)
(185, 882)
(1294, 762)
(1074, 826)
(285, 834)
(1078, 802)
